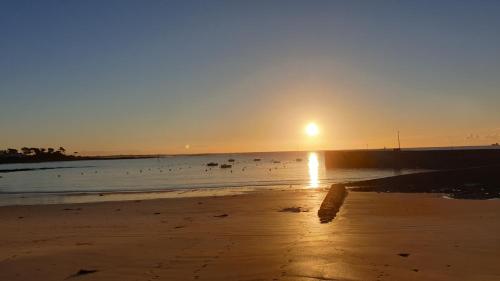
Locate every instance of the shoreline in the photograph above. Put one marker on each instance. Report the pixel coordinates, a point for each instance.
(466, 183)
(34, 199)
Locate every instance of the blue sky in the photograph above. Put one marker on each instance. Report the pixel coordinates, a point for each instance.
(153, 76)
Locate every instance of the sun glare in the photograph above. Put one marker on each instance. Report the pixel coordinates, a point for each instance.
(313, 165)
(312, 129)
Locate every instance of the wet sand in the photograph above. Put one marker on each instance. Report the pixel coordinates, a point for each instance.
(375, 236)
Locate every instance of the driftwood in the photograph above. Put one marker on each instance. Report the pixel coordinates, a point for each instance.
(332, 203)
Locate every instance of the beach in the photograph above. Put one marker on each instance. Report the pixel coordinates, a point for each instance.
(249, 141)
(375, 236)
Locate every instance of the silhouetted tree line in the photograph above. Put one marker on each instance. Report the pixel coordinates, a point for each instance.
(35, 154)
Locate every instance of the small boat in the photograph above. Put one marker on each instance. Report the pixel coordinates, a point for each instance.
(225, 166)
(276, 162)
(256, 159)
(212, 164)
(298, 159)
(231, 160)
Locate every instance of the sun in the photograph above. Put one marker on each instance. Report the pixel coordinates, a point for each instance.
(312, 129)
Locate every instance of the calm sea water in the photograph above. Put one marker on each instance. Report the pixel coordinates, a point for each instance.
(171, 176)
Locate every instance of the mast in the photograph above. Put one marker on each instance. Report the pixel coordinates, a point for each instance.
(399, 142)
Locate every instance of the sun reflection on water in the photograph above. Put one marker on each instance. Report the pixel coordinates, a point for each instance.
(313, 165)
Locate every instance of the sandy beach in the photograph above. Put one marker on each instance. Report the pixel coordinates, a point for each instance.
(249, 140)
(375, 236)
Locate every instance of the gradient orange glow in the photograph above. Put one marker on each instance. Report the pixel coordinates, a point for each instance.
(163, 81)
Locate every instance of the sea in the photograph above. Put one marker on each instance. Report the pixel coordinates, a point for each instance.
(171, 176)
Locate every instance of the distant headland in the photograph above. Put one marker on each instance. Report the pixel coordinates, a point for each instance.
(35, 155)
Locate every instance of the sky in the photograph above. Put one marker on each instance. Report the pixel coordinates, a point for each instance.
(141, 77)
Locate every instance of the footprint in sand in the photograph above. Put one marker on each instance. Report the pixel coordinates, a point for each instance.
(221, 216)
(82, 272)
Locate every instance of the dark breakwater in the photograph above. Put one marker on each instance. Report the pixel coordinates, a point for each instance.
(404, 159)
(464, 183)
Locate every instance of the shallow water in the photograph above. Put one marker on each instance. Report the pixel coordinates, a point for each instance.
(171, 176)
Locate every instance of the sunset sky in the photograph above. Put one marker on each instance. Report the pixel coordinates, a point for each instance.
(112, 77)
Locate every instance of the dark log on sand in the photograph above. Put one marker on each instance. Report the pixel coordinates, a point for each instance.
(332, 203)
